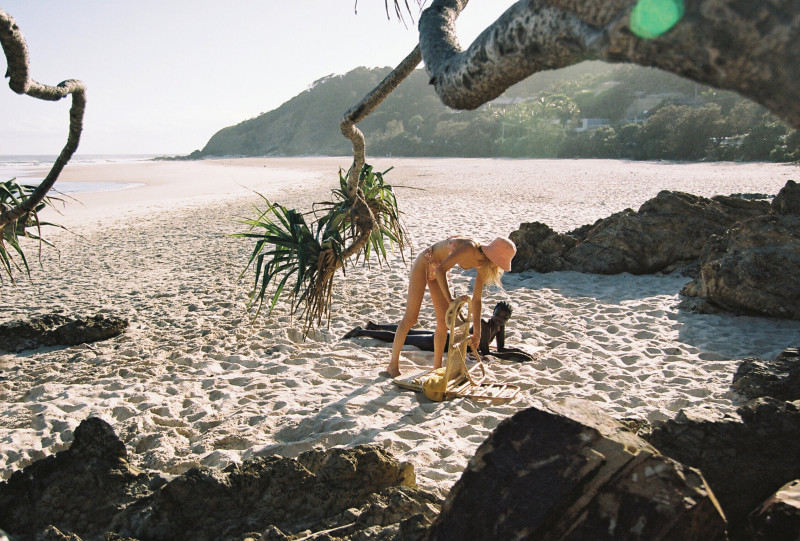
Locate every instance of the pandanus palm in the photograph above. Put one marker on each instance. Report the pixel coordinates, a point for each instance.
(14, 195)
(362, 218)
(288, 248)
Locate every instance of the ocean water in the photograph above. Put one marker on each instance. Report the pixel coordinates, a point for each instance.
(30, 169)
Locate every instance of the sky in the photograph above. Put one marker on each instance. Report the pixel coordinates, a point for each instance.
(163, 76)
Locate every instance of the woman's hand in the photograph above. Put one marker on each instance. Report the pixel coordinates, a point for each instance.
(476, 339)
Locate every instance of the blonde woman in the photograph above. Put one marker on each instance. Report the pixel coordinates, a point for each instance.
(430, 270)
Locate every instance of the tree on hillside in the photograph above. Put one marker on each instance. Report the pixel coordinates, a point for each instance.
(753, 55)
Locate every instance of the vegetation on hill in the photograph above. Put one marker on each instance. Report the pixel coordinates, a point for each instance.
(590, 110)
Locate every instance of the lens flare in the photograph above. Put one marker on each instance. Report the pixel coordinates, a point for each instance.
(651, 18)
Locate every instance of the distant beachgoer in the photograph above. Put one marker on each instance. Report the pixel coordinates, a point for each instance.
(493, 329)
(430, 270)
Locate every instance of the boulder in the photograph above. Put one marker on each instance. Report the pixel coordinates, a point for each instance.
(778, 378)
(574, 473)
(666, 233)
(540, 248)
(778, 519)
(89, 491)
(752, 268)
(744, 458)
(58, 330)
(77, 490)
(788, 199)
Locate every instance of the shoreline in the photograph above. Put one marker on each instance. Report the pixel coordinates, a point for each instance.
(196, 381)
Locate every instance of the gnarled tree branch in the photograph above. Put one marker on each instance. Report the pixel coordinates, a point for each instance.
(16, 52)
(748, 47)
(356, 114)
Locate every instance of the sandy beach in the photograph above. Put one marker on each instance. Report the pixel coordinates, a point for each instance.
(196, 381)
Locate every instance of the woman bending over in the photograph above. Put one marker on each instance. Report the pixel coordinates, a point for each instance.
(430, 269)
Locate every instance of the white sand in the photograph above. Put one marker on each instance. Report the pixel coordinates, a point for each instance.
(195, 381)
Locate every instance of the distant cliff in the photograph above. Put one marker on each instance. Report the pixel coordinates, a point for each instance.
(590, 110)
(308, 124)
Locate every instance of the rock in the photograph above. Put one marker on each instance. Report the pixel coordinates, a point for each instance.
(668, 232)
(354, 488)
(778, 518)
(779, 378)
(574, 473)
(788, 199)
(540, 248)
(744, 458)
(58, 330)
(77, 490)
(752, 268)
(90, 492)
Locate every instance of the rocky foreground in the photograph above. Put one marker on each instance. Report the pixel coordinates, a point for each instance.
(566, 472)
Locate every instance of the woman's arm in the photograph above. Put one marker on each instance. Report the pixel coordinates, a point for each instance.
(477, 306)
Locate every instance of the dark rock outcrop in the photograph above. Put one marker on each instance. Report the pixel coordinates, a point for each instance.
(573, 473)
(77, 490)
(752, 268)
(90, 492)
(744, 459)
(779, 518)
(540, 248)
(667, 232)
(58, 330)
(788, 199)
(778, 378)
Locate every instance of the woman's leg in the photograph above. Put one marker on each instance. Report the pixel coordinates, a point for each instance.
(416, 290)
(440, 305)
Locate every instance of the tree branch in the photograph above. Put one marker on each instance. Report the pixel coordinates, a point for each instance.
(16, 52)
(529, 37)
(357, 113)
(747, 47)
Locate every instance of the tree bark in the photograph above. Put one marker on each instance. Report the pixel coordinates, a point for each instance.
(356, 114)
(16, 52)
(752, 48)
(359, 112)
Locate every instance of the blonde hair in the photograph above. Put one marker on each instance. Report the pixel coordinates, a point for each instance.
(491, 273)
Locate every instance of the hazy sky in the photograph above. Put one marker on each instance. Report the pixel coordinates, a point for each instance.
(164, 75)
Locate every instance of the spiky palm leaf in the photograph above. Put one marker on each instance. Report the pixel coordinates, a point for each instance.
(380, 198)
(286, 246)
(13, 194)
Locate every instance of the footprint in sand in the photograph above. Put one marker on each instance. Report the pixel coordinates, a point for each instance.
(411, 435)
(121, 413)
(629, 360)
(332, 372)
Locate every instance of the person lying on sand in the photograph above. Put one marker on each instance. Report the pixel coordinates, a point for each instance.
(493, 329)
(430, 271)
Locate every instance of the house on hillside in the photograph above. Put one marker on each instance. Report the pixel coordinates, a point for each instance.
(591, 124)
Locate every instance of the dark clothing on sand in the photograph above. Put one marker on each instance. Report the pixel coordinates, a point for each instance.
(424, 339)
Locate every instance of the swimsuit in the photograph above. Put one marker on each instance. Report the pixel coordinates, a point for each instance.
(432, 263)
